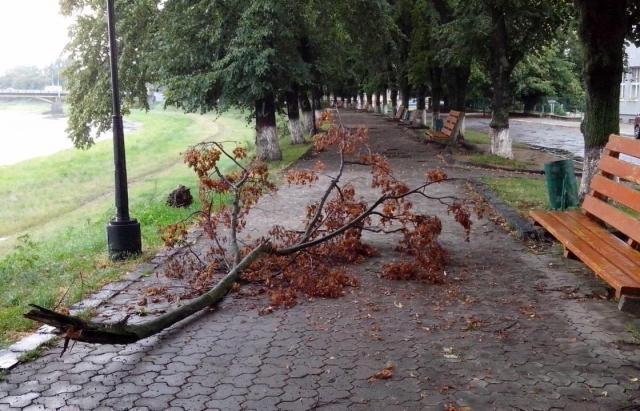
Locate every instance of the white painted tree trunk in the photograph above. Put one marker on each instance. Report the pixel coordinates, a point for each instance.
(306, 118)
(589, 168)
(318, 115)
(267, 144)
(295, 129)
(501, 142)
(412, 117)
(419, 117)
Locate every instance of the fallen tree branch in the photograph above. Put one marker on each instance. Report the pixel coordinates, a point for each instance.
(75, 328)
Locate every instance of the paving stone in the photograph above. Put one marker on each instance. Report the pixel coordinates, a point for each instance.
(18, 401)
(160, 402)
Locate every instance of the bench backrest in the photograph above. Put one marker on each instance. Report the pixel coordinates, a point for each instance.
(615, 197)
(451, 123)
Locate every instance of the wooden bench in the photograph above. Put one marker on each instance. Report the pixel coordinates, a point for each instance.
(449, 130)
(605, 233)
(399, 115)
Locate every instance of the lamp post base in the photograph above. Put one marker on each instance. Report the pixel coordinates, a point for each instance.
(124, 239)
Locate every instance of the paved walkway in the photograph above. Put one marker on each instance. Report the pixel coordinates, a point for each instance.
(511, 329)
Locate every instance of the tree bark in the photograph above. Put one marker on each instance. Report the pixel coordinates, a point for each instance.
(385, 102)
(405, 89)
(603, 26)
(268, 148)
(293, 113)
(317, 104)
(378, 103)
(306, 115)
(421, 112)
(394, 101)
(501, 69)
(436, 94)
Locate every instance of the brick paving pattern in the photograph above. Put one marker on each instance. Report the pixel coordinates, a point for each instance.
(511, 329)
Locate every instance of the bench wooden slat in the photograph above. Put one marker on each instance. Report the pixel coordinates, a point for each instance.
(618, 279)
(612, 216)
(613, 249)
(449, 128)
(616, 191)
(588, 236)
(620, 168)
(623, 145)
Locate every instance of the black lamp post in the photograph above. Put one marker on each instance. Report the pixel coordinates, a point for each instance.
(123, 232)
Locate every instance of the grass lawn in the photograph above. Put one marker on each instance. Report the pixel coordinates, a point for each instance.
(55, 209)
(493, 160)
(522, 193)
(476, 137)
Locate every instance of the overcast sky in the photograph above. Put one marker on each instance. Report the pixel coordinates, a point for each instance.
(32, 32)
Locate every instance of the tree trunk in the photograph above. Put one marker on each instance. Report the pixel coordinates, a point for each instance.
(268, 148)
(378, 103)
(406, 95)
(603, 25)
(421, 112)
(369, 103)
(293, 112)
(436, 94)
(317, 104)
(394, 101)
(385, 102)
(501, 144)
(306, 115)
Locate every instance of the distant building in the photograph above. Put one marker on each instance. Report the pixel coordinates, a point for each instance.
(630, 86)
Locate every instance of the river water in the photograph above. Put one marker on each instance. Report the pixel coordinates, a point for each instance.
(26, 134)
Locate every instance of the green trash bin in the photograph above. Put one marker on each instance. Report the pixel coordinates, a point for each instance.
(439, 124)
(561, 184)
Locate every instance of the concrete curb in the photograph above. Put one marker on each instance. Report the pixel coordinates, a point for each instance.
(10, 357)
(524, 229)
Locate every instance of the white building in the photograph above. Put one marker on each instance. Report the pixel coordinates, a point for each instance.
(630, 86)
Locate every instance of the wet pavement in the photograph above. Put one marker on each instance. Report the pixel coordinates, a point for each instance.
(509, 329)
(555, 134)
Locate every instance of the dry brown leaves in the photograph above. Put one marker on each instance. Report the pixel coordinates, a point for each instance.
(385, 374)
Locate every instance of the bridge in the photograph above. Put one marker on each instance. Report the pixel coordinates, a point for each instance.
(53, 97)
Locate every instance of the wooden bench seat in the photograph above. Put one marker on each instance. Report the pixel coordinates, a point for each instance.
(605, 233)
(449, 130)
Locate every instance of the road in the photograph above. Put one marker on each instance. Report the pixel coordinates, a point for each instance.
(556, 134)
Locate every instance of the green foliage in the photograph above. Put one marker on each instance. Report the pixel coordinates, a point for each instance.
(217, 55)
(262, 58)
(550, 71)
(88, 72)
